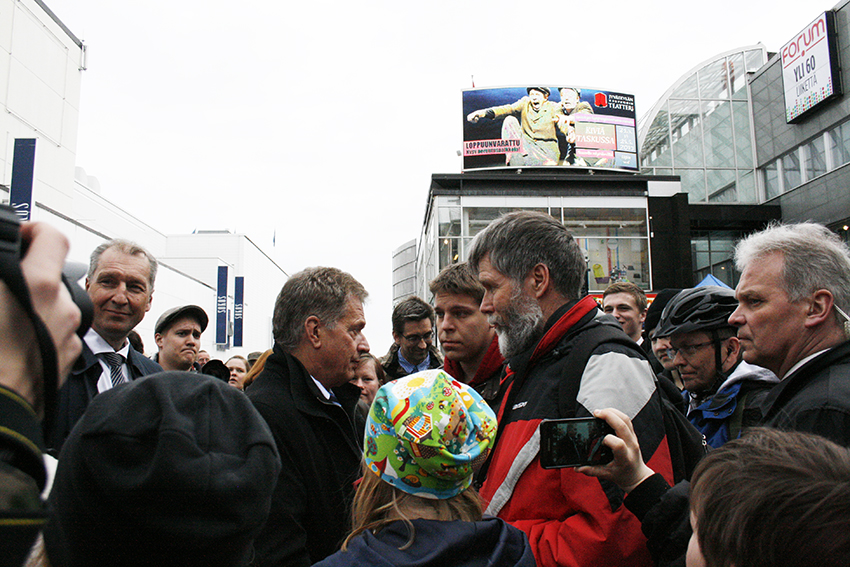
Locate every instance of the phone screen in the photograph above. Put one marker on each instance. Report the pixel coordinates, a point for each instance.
(574, 442)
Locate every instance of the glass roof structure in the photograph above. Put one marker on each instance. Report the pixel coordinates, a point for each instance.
(701, 130)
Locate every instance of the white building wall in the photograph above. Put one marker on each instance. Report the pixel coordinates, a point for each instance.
(40, 74)
(200, 255)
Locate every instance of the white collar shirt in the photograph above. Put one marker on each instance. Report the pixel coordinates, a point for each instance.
(98, 345)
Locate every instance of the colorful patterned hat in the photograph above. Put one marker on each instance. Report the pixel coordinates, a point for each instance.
(427, 434)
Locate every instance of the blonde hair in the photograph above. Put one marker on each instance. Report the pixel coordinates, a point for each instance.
(378, 503)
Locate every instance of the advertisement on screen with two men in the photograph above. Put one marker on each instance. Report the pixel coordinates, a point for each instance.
(541, 126)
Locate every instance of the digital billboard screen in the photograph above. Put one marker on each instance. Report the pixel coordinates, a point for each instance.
(539, 126)
(810, 68)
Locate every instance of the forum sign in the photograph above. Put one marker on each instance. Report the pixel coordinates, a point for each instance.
(541, 126)
(810, 68)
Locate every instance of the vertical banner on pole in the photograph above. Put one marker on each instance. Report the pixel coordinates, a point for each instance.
(238, 295)
(221, 307)
(23, 166)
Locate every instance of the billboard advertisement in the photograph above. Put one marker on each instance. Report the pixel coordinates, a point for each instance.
(539, 126)
(810, 68)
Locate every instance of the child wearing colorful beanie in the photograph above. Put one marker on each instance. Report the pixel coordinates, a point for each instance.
(426, 434)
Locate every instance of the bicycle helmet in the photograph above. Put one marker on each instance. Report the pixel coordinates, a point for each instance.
(704, 308)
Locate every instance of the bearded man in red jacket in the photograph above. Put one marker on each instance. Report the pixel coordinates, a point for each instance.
(532, 271)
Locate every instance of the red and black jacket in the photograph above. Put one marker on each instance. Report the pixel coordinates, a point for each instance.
(572, 519)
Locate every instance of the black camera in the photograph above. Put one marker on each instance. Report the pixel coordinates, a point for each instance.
(12, 247)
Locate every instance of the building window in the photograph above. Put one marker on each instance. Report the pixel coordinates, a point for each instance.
(721, 186)
(791, 170)
(712, 254)
(615, 240)
(814, 158)
(617, 223)
(449, 251)
(616, 259)
(479, 217)
(839, 141)
(772, 182)
(449, 219)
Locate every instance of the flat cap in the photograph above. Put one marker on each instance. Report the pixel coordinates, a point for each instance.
(169, 317)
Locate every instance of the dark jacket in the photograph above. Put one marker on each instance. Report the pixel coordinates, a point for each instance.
(321, 455)
(22, 478)
(490, 542)
(665, 518)
(81, 386)
(815, 398)
(572, 519)
(394, 369)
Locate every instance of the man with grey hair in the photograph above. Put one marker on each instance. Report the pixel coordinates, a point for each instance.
(413, 340)
(794, 296)
(306, 398)
(120, 283)
(532, 270)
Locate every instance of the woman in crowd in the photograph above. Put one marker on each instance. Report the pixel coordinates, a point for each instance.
(369, 376)
(238, 366)
(425, 435)
(256, 368)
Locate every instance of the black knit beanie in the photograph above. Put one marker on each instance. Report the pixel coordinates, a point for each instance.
(172, 469)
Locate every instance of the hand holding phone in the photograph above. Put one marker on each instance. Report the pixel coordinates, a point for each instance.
(574, 442)
(627, 470)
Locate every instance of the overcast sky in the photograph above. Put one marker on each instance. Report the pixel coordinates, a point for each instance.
(322, 121)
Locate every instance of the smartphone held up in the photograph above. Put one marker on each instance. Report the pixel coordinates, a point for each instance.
(574, 442)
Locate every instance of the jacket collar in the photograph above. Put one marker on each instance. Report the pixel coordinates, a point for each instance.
(568, 317)
(796, 381)
(88, 360)
(304, 391)
(491, 364)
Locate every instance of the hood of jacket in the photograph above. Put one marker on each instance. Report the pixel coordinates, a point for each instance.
(436, 544)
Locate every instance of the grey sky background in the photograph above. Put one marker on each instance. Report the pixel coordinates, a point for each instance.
(321, 122)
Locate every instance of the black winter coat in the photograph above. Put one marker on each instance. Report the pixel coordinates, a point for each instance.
(320, 452)
(81, 386)
(815, 398)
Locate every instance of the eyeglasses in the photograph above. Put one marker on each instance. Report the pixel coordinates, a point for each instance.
(687, 350)
(415, 339)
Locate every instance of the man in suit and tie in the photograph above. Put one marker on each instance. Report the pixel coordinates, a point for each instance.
(120, 284)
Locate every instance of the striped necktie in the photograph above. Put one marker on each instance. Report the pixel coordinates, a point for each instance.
(115, 362)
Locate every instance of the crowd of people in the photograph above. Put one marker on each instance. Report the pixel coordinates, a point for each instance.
(315, 451)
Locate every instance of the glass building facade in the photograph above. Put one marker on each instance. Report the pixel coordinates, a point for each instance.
(701, 130)
(611, 231)
(404, 271)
